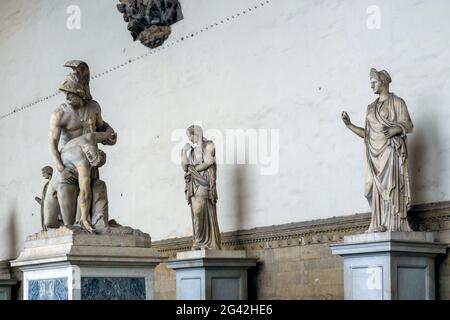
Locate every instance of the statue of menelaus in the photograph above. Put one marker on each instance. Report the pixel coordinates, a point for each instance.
(149, 21)
(76, 127)
(387, 184)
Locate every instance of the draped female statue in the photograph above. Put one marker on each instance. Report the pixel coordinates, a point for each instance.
(387, 183)
(199, 164)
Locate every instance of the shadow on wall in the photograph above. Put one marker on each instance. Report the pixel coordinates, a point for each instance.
(425, 163)
(240, 189)
(12, 238)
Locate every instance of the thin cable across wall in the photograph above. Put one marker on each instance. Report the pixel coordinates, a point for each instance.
(166, 45)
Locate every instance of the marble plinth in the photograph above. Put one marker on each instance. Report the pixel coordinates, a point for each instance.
(212, 274)
(390, 265)
(6, 281)
(71, 264)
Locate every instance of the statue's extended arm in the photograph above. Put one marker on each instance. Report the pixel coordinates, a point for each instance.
(356, 130)
(103, 126)
(100, 137)
(209, 159)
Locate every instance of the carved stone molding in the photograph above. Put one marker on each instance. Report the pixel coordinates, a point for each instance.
(423, 217)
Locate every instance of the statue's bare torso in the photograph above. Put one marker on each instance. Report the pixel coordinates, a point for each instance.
(75, 123)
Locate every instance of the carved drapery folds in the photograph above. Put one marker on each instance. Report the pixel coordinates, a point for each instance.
(149, 21)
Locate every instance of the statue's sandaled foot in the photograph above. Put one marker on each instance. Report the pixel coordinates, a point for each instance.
(87, 226)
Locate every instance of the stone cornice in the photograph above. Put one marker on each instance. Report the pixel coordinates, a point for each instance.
(423, 217)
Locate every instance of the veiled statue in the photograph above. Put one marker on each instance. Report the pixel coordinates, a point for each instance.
(387, 183)
(75, 191)
(199, 164)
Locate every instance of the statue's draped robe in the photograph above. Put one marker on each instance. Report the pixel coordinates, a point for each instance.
(201, 194)
(387, 182)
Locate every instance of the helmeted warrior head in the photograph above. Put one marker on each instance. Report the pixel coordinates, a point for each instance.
(78, 81)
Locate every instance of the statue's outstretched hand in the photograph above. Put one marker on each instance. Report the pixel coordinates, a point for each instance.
(345, 118)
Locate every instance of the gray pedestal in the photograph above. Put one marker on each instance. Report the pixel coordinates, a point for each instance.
(65, 264)
(6, 282)
(389, 266)
(212, 274)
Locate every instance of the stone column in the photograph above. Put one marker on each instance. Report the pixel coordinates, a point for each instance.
(212, 274)
(389, 265)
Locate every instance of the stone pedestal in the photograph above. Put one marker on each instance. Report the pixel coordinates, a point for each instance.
(71, 264)
(389, 266)
(6, 282)
(212, 274)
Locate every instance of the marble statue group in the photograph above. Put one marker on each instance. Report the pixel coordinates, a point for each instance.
(75, 191)
(75, 196)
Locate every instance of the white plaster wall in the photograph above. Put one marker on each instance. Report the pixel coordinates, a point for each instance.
(291, 65)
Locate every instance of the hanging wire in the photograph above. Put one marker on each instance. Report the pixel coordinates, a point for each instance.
(131, 60)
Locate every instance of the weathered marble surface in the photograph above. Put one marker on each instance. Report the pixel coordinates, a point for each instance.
(114, 245)
(48, 289)
(110, 237)
(112, 288)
